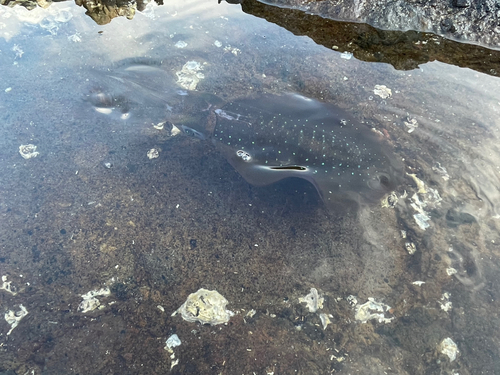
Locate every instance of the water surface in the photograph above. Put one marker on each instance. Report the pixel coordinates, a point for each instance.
(93, 212)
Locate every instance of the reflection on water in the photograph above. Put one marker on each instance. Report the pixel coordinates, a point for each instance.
(404, 50)
(121, 218)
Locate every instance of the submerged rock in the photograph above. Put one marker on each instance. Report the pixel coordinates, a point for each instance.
(14, 317)
(28, 151)
(6, 285)
(90, 301)
(206, 307)
(383, 91)
(372, 310)
(449, 348)
(313, 300)
(190, 75)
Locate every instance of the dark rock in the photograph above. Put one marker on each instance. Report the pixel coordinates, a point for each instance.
(120, 291)
(447, 26)
(455, 218)
(461, 3)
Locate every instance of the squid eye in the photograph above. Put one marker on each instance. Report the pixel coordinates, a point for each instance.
(380, 182)
(384, 181)
(192, 133)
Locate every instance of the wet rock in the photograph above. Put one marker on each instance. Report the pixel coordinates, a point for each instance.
(30, 5)
(390, 201)
(313, 300)
(171, 343)
(410, 247)
(6, 285)
(447, 26)
(206, 307)
(461, 3)
(455, 218)
(28, 151)
(190, 75)
(372, 310)
(102, 12)
(90, 301)
(14, 317)
(449, 348)
(383, 91)
(153, 154)
(119, 290)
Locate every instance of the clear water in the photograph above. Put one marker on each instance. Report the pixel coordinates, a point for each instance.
(409, 284)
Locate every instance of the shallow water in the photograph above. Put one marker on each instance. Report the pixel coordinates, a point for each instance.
(95, 210)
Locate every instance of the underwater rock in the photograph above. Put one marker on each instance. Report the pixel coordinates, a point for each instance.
(153, 153)
(313, 300)
(449, 348)
(410, 247)
(6, 285)
(440, 170)
(325, 320)
(383, 91)
(455, 218)
(445, 303)
(172, 342)
(372, 310)
(461, 3)
(190, 75)
(90, 301)
(14, 317)
(411, 124)
(28, 151)
(390, 200)
(181, 44)
(450, 271)
(206, 307)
